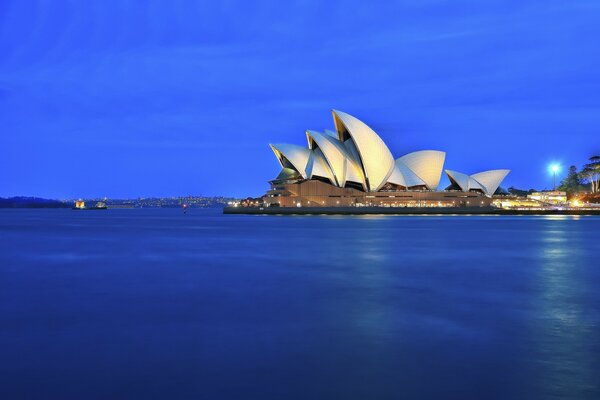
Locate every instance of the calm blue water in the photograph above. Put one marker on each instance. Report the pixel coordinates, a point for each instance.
(154, 304)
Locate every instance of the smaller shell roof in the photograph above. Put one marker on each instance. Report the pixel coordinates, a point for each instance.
(410, 178)
(490, 180)
(292, 156)
(427, 165)
(487, 181)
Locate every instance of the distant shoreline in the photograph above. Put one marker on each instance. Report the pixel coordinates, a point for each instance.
(149, 202)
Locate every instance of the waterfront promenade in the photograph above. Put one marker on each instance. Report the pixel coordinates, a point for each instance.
(406, 211)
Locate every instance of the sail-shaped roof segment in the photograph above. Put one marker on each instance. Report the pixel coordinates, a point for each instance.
(354, 169)
(375, 158)
(354, 172)
(459, 179)
(292, 156)
(287, 173)
(341, 158)
(473, 184)
(410, 178)
(353, 153)
(333, 151)
(487, 181)
(426, 164)
(318, 166)
(397, 178)
(490, 180)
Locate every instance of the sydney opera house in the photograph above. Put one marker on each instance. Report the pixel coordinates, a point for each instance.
(353, 167)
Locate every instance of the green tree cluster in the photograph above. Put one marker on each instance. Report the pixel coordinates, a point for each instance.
(590, 174)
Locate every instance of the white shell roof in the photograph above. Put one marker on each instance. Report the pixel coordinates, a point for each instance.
(490, 180)
(317, 166)
(462, 180)
(376, 159)
(473, 184)
(397, 178)
(287, 173)
(487, 181)
(426, 164)
(354, 171)
(334, 152)
(297, 156)
(410, 178)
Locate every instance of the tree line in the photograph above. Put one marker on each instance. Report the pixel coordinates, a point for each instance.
(586, 179)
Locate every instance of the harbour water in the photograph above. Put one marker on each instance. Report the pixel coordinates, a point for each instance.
(155, 304)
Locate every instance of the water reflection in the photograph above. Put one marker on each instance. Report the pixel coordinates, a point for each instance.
(361, 257)
(300, 307)
(563, 338)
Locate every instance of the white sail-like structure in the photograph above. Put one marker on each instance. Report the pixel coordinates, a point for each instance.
(459, 179)
(397, 177)
(488, 181)
(292, 156)
(318, 166)
(339, 159)
(426, 164)
(404, 176)
(334, 152)
(355, 156)
(376, 159)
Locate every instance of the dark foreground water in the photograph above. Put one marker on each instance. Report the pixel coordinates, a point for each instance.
(154, 304)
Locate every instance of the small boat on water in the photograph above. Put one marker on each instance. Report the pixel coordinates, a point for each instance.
(80, 205)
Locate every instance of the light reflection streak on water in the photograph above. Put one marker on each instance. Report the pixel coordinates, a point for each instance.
(362, 260)
(562, 336)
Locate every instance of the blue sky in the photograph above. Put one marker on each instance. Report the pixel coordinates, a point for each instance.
(158, 98)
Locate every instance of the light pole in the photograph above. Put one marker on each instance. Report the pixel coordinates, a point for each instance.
(554, 168)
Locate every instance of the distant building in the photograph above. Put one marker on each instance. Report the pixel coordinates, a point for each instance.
(552, 197)
(80, 204)
(353, 167)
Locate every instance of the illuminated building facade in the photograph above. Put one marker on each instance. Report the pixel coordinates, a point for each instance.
(554, 197)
